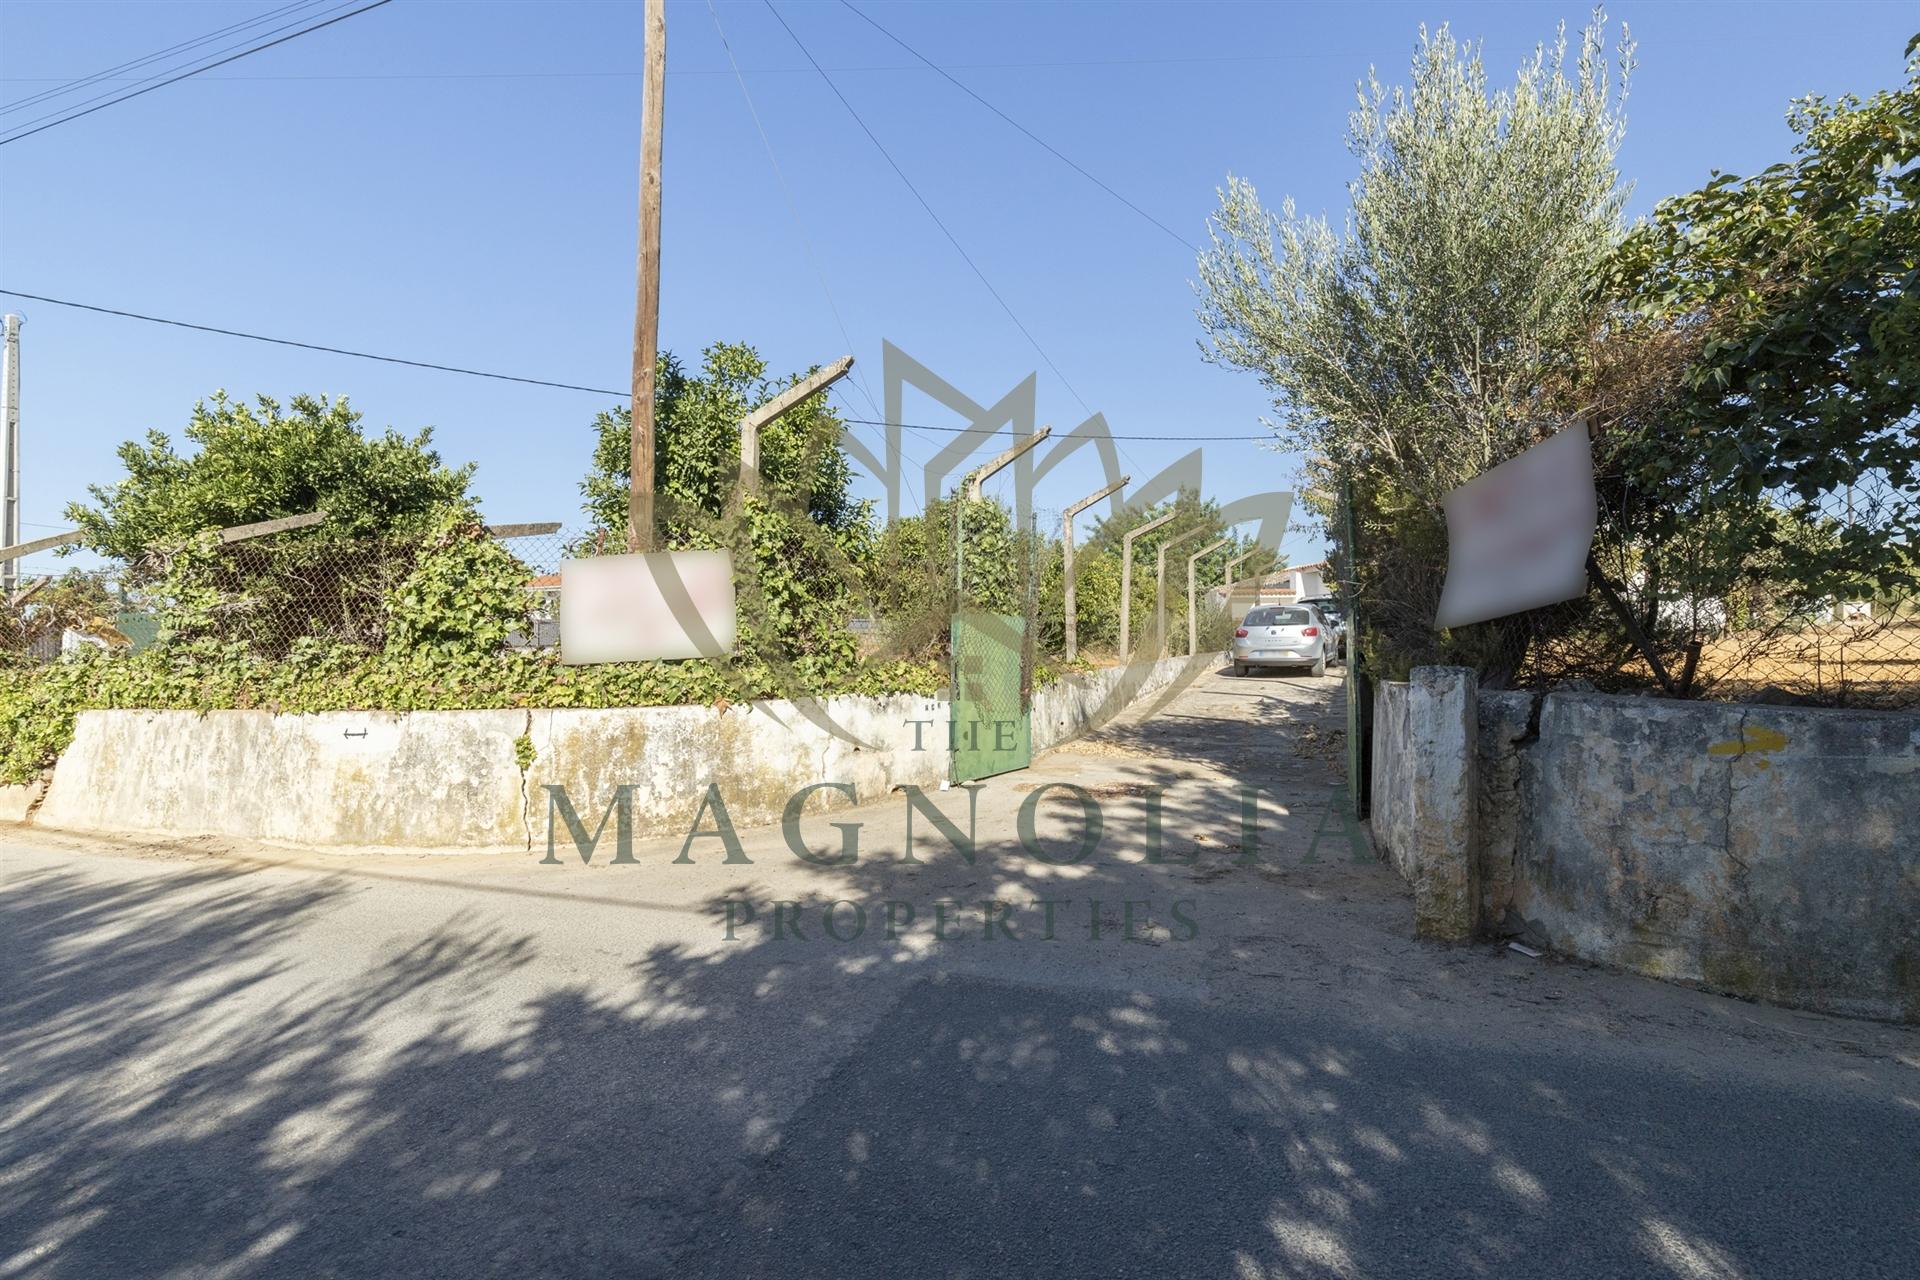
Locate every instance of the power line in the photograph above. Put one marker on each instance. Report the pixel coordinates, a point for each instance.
(951, 239)
(793, 207)
(806, 241)
(75, 115)
(70, 108)
(908, 182)
(1052, 150)
(312, 346)
(1055, 64)
(508, 377)
(109, 74)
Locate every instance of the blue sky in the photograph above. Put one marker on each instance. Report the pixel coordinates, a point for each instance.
(455, 182)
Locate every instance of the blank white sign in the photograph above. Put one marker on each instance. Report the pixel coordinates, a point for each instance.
(631, 608)
(1518, 535)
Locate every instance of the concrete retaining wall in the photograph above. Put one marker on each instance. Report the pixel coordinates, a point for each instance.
(453, 779)
(1762, 851)
(1076, 703)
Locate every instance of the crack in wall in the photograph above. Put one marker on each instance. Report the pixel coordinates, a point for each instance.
(1524, 767)
(1726, 813)
(526, 801)
(41, 785)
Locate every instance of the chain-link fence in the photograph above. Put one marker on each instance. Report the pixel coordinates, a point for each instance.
(1778, 598)
(271, 596)
(310, 589)
(267, 596)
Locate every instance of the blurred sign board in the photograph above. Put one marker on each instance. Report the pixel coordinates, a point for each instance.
(631, 608)
(1518, 535)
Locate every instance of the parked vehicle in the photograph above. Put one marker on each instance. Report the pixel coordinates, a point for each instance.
(1287, 635)
(1334, 610)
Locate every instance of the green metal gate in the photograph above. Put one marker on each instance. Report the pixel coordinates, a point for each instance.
(992, 704)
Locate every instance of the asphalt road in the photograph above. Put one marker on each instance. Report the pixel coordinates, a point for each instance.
(226, 1061)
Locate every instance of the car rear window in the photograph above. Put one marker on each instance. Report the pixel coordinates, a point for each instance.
(1277, 618)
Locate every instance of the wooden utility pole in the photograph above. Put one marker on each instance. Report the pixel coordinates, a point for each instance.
(646, 311)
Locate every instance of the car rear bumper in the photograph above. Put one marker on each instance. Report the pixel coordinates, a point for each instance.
(1275, 657)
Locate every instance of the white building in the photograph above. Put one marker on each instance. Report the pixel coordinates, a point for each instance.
(1282, 586)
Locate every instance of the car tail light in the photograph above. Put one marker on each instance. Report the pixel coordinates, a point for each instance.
(1309, 632)
(1240, 633)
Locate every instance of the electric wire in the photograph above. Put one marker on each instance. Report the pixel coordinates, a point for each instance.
(311, 346)
(806, 241)
(507, 377)
(55, 120)
(937, 221)
(110, 73)
(1052, 150)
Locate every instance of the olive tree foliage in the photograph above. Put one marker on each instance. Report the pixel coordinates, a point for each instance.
(1416, 342)
(1414, 348)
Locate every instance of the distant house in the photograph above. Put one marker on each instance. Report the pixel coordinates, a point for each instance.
(1308, 580)
(545, 590)
(51, 645)
(1282, 586)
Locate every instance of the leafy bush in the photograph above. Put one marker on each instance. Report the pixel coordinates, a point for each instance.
(466, 594)
(1419, 348)
(800, 546)
(250, 464)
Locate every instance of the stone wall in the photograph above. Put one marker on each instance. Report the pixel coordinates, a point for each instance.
(454, 779)
(1425, 796)
(1390, 812)
(1765, 852)
(1504, 727)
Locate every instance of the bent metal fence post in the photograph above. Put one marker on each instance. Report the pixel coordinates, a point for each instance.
(1160, 585)
(1126, 581)
(969, 491)
(1226, 579)
(1067, 591)
(1193, 610)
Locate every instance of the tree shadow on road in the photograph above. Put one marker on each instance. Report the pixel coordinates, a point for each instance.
(185, 1093)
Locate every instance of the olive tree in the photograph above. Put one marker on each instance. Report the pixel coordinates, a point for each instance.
(1415, 347)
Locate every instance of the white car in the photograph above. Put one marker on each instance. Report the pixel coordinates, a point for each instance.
(1283, 635)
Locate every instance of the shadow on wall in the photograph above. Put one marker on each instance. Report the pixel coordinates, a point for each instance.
(181, 1097)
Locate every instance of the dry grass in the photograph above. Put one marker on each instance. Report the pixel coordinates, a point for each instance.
(1870, 665)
